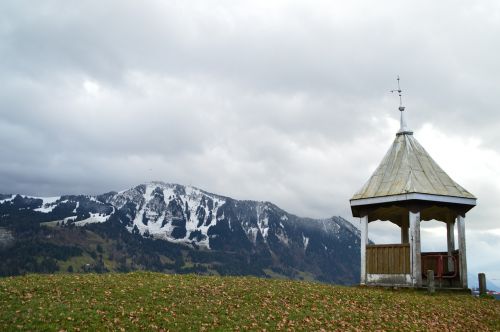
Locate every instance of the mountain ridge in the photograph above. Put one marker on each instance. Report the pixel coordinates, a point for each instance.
(258, 231)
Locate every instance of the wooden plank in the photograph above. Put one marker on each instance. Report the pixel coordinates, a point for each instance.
(407, 260)
(368, 260)
(381, 260)
(369, 256)
(398, 245)
(394, 260)
(384, 260)
(390, 260)
(374, 261)
(397, 260)
(388, 266)
(402, 260)
(387, 259)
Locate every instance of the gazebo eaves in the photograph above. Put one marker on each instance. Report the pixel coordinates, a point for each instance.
(412, 197)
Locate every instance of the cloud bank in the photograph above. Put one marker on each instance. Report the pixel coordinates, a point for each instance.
(285, 101)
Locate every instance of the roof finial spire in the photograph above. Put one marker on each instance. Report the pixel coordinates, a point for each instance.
(403, 128)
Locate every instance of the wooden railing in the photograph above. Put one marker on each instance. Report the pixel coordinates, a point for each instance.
(388, 259)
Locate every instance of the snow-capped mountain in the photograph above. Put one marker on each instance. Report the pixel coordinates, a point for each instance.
(200, 220)
(170, 212)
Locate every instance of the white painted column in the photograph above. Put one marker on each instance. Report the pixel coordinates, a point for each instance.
(364, 242)
(462, 252)
(450, 235)
(415, 258)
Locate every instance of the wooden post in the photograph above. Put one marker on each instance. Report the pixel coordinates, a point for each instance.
(462, 252)
(431, 287)
(416, 265)
(450, 234)
(482, 284)
(364, 242)
(404, 229)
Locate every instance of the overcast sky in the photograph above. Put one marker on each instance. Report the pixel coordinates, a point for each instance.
(283, 101)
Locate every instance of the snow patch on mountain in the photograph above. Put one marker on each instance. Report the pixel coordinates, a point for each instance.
(305, 241)
(252, 234)
(68, 219)
(76, 207)
(48, 204)
(171, 212)
(94, 218)
(262, 219)
(7, 199)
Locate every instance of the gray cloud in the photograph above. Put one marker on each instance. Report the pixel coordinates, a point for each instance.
(282, 101)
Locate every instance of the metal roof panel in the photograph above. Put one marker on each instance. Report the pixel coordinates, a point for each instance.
(408, 168)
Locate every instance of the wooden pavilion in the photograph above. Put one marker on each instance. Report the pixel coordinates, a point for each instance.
(409, 187)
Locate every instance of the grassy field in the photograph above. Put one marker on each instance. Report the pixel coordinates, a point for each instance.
(153, 301)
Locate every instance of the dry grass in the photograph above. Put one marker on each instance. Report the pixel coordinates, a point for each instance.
(153, 301)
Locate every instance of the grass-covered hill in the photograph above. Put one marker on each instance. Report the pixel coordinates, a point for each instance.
(154, 301)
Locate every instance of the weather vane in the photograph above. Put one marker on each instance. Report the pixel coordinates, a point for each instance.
(401, 108)
(404, 128)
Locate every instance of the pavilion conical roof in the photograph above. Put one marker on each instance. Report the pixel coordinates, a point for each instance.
(408, 169)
